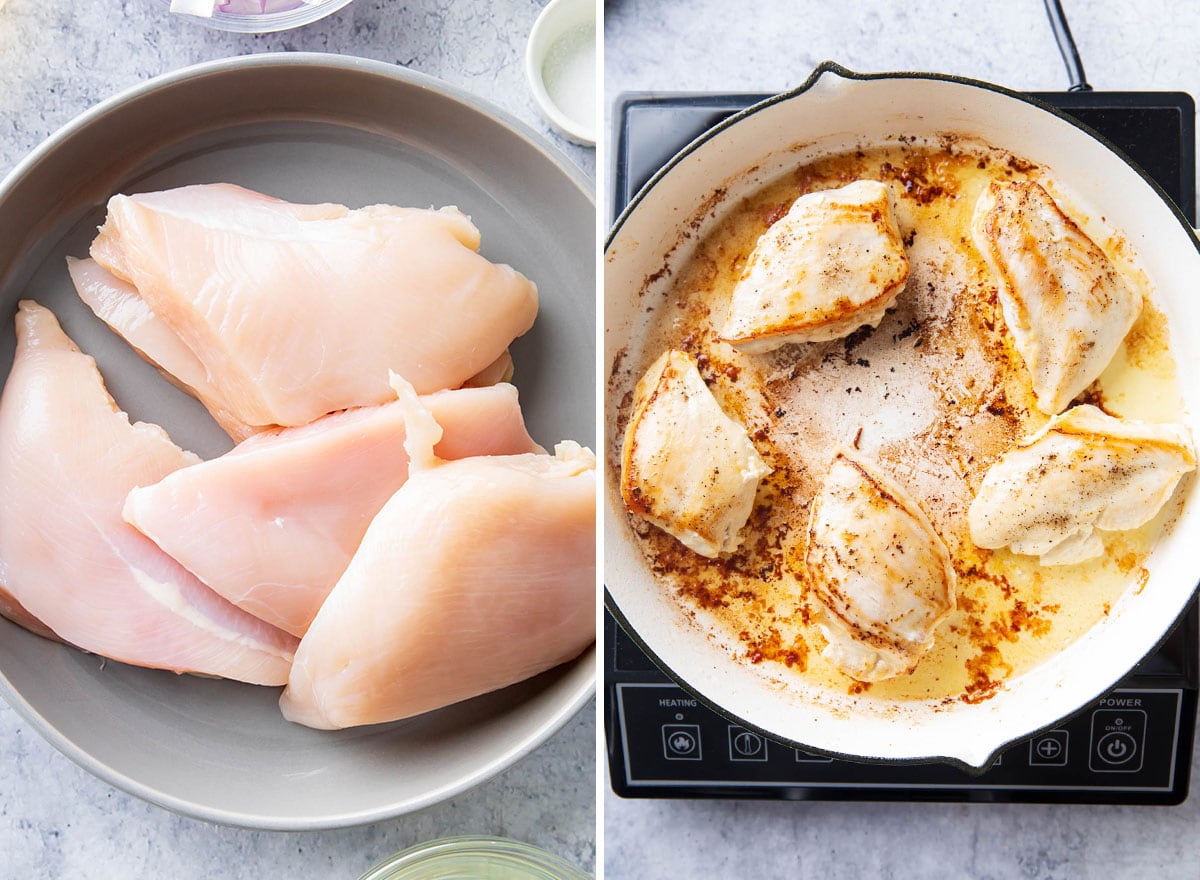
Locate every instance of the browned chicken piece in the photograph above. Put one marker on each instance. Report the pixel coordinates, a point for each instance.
(835, 262)
(686, 466)
(1067, 306)
(1083, 474)
(881, 575)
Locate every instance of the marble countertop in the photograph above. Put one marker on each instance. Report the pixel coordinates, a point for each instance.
(770, 46)
(56, 60)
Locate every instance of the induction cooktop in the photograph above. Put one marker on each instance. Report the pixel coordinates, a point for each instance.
(1132, 746)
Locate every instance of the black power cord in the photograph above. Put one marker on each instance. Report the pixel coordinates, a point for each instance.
(1066, 46)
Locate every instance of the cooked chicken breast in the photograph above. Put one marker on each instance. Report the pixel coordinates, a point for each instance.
(1067, 306)
(68, 458)
(685, 465)
(833, 263)
(882, 577)
(295, 311)
(476, 574)
(1083, 474)
(287, 508)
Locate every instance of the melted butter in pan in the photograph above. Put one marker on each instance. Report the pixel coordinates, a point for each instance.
(935, 395)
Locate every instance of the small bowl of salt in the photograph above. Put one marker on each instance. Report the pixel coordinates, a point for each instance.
(560, 63)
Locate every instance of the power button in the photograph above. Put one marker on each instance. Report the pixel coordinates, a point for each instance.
(1118, 738)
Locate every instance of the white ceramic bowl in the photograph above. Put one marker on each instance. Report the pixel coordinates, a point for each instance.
(306, 128)
(560, 64)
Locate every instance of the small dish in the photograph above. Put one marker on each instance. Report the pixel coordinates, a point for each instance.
(560, 64)
(256, 16)
(474, 858)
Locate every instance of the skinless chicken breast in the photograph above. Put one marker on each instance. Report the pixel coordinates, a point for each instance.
(1067, 306)
(476, 574)
(686, 466)
(68, 458)
(833, 263)
(497, 372)
(15, 611)
(295, 311)
(118, 304)
(882, 577)
(1084, 473)
(288, 507)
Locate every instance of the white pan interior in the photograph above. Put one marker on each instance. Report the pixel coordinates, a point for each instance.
(832, 114)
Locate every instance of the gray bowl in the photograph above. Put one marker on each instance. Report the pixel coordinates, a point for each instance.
(304, 127)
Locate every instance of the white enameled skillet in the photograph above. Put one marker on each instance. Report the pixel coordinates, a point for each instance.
(833, 111)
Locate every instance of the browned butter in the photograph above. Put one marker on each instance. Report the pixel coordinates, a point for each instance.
(935, 395)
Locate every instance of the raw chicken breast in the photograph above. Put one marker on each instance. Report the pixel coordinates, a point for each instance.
(686, 466)
(68, 458)
(882, 577)
(499, 370)
(296, 311)
(288, 507)
(833, 263)
(15, 611)
(1083, 473)
(118, 305)
(477, 574)
(1067, 306)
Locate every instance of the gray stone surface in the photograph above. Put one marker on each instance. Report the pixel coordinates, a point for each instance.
(769, 46)
(58, 821)
(649, 840)
(56, 60)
